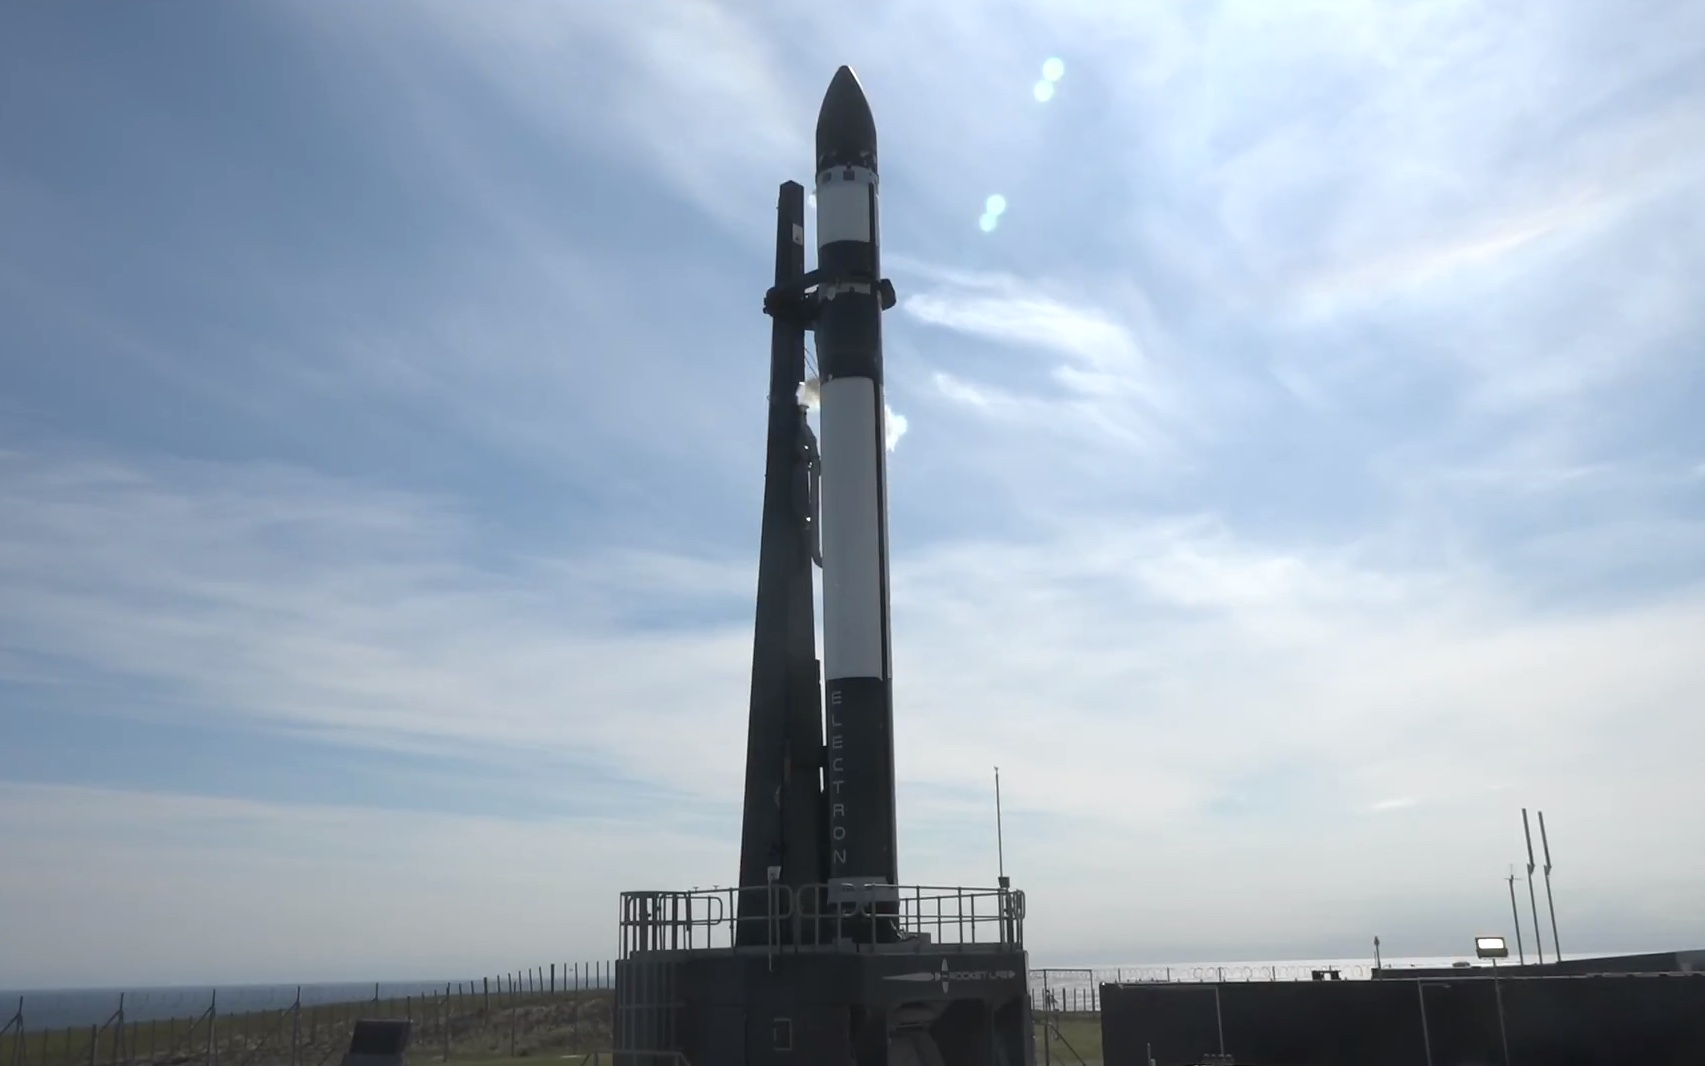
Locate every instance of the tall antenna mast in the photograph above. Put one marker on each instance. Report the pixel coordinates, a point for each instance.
(1532, 901)
(1000, 835)
(1556, 948)
(1515, 915)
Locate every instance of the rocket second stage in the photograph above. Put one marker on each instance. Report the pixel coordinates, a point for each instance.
(859, 768)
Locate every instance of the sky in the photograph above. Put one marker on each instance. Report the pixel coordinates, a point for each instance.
(1300, 476)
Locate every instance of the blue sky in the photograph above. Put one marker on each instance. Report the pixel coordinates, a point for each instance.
(1302, 477)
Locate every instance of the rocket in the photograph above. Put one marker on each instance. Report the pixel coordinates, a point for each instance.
(818, 854)
(819, 803)
(858, 775)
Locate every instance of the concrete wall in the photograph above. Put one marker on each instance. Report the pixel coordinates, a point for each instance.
(1559, 1021)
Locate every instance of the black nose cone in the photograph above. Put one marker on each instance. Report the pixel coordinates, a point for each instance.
(846, 131)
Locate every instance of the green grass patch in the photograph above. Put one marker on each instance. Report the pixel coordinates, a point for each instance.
(1072, 1038)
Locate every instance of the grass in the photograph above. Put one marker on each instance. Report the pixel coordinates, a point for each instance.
(544, 1026)
(560, 1029)
(1073, 1035)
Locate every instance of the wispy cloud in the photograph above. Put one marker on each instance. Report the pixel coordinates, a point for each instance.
(694, 89)
(1099, 383)
(294, 600)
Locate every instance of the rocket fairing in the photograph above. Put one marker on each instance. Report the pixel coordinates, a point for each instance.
(859, 754)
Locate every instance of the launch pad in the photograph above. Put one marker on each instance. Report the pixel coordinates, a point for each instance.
(821, 956)
(950, 990)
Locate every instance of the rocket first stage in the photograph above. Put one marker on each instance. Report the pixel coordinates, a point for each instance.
(859, 770)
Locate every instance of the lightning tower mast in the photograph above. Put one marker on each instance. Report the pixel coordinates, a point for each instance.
(1532, 902)
(1556, 948)
(1515, 916)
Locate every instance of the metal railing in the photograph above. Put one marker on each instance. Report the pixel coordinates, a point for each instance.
(805, 919)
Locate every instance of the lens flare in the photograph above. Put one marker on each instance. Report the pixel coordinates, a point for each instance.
(995, 205)
(988, 223)
(1044, 91)
(1054, 70)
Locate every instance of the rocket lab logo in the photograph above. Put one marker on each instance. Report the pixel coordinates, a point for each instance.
(925, 975)
(947, 977)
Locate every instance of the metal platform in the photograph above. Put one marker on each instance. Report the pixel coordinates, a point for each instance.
(936, 977)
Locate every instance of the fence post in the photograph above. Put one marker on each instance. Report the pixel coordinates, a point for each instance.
(486, 982)
(212, 1024)
(1219, 1020)
(445, 1014)
(1421, 1000)
(1047, 1032)
(553, 978)
(18, 1038)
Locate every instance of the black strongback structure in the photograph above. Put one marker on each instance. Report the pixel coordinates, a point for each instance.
(800, 964)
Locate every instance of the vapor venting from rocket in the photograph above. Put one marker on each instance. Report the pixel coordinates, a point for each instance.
(894, 425)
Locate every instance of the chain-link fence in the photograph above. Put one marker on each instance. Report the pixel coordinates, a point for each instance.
(1078, 990)
(560, 1009)
(538, 1012)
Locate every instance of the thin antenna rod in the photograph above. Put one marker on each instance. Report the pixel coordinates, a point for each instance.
(1000, 834)
(1515, 915)
(1532, 901)
(1556, 948)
